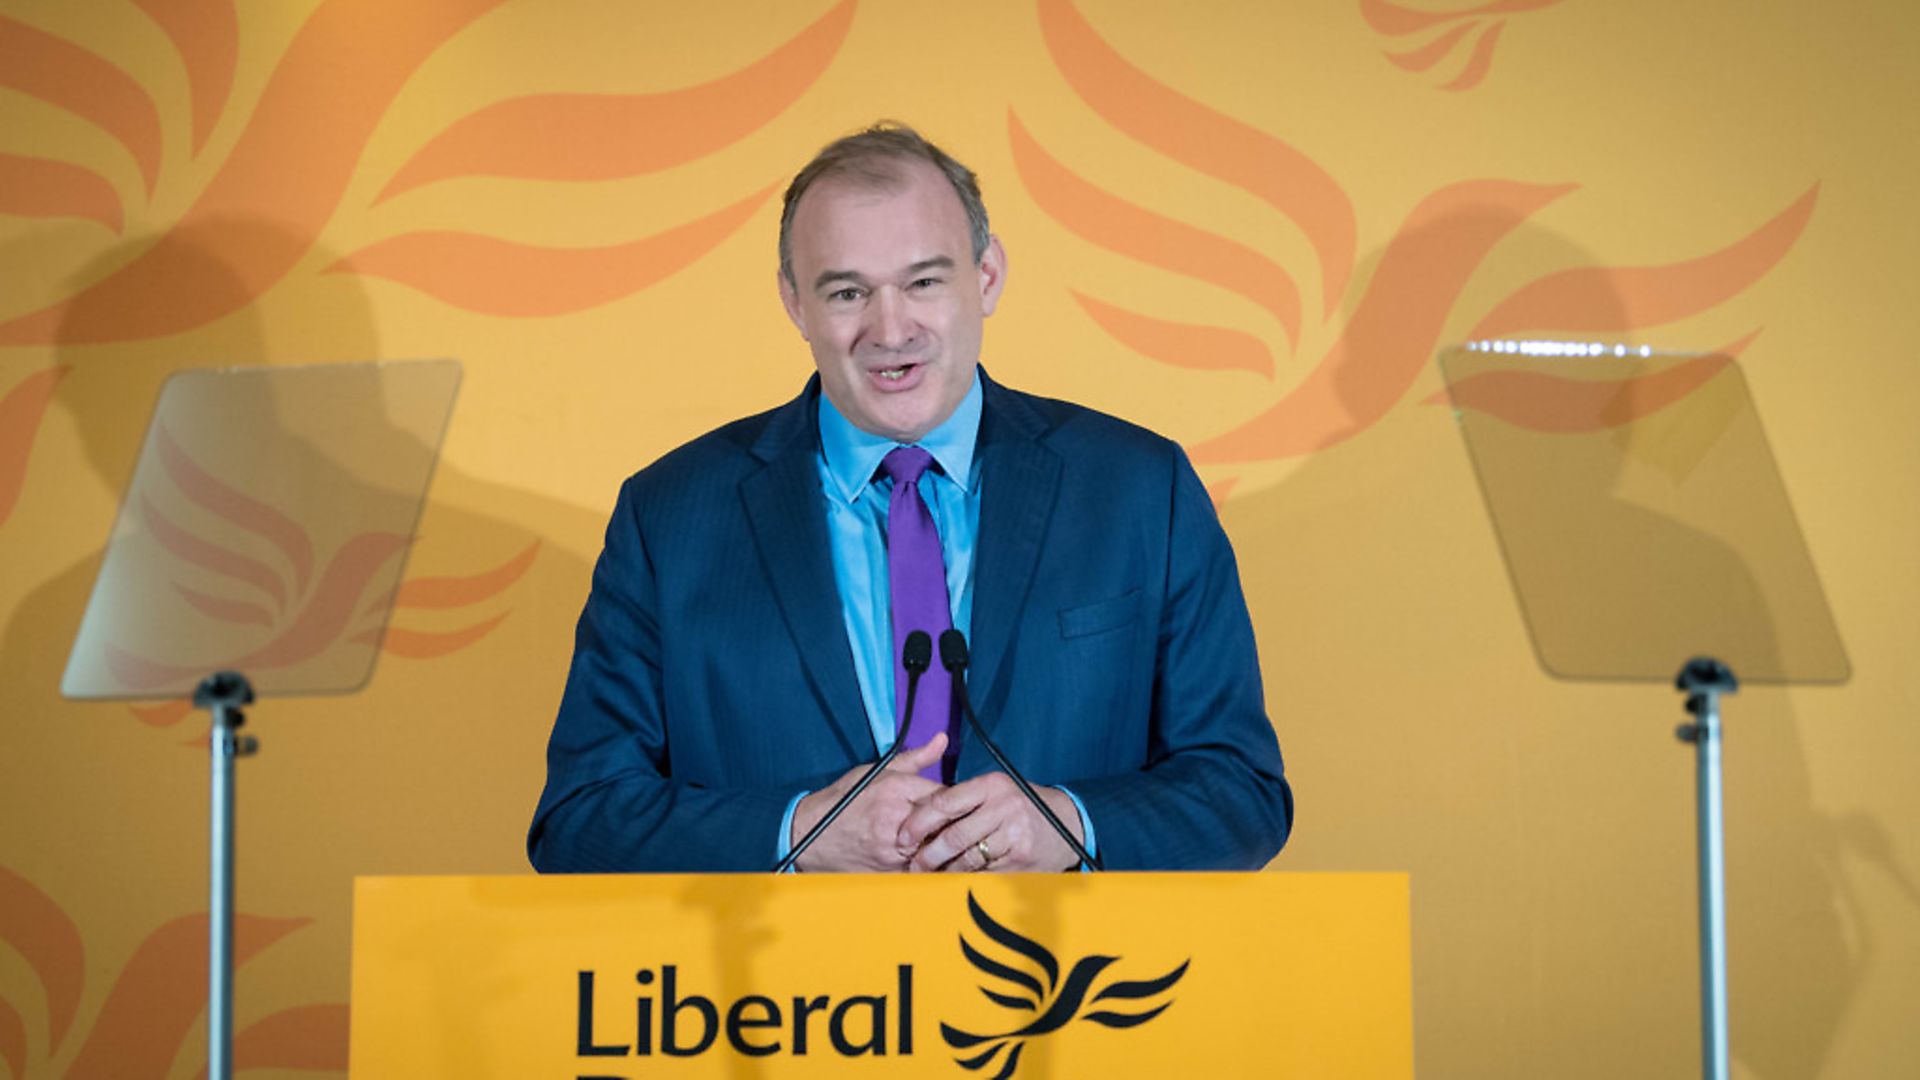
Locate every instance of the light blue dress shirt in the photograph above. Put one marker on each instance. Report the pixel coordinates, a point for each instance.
(857, 496)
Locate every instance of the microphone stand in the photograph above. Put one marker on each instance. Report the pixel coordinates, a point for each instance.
(953, 657)
(916, 656)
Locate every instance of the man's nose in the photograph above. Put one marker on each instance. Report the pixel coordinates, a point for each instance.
(892, 327)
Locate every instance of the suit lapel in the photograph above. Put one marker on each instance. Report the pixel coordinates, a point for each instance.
(790, 530)
(1020, 481)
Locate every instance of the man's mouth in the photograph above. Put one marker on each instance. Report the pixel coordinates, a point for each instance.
(895, 374)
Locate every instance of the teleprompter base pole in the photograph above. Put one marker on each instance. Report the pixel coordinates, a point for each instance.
(223, 694)
(1704, 680)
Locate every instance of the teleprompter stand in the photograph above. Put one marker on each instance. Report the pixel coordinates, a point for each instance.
(1704, 680)
(264, 531)
(1643, 520)
(222, 694)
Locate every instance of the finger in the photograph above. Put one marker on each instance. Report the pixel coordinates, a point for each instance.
(914, 759)
(977, 856)
(1015, 836)
(908, 789)
(980, 790)
(936, 811)
(957, 847)
(953, 802)
(885, 805)
(974, 849)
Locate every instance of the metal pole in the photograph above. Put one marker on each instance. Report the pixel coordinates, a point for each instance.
(223, 694)
(1704, 680)
(220, 905)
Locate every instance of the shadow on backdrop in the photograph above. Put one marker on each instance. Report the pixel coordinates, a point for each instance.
(1548, 833)
(433, 769)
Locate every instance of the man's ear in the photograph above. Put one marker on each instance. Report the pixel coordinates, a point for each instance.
(993, 275)
(790, 299)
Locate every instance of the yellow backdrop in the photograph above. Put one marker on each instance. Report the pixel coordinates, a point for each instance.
(1246, 225)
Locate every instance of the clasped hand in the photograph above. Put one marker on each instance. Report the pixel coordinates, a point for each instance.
(905, 822)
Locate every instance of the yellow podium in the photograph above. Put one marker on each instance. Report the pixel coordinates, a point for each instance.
(989, 976)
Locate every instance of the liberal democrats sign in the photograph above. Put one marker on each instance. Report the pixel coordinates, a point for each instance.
(961, 976)
(682, 1022)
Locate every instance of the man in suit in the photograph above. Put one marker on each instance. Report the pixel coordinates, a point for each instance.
(736, 663)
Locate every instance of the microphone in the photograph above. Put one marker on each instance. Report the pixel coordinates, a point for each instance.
(916, 656)
(953, 657)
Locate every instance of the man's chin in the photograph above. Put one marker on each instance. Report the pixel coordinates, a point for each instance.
(903, 426)
(903, 416)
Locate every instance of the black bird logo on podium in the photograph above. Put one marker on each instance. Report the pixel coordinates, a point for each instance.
(1031, 984)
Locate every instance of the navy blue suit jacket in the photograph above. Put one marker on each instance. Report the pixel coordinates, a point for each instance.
(1112, 652)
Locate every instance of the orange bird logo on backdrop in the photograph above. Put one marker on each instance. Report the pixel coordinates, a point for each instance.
(576, 138)
(291, 165)
(283, 597)
(256, 574)
(301, 147)
(254, 207)
(1380, 349)
(145, 1023)
(1433, 38)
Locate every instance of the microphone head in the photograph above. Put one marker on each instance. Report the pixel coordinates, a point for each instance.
(917, 653)
(953, 650)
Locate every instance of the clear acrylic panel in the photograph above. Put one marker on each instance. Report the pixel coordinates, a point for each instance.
(265, 529)
(1641, 513)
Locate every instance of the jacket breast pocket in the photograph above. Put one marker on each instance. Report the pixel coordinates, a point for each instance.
(1095, 683)
(1101, 617)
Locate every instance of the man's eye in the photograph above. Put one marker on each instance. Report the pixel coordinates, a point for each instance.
(926, 282)
(844, 296)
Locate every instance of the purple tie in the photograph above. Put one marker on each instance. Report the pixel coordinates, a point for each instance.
(917, 577)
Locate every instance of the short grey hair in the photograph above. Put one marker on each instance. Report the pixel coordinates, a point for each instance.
(872, 156)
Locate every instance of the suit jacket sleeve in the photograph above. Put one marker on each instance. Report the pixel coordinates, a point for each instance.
(1113, 651)
(620, 796)
(1211, 792)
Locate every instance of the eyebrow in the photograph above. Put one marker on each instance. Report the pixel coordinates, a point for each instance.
(938, 262)
(829, 277)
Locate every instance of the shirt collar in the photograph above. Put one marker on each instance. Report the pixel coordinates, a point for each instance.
(853, 455)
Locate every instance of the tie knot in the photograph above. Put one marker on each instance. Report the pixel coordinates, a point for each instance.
(905, 464)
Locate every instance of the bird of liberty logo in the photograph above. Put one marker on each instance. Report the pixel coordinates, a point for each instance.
(1030, 983)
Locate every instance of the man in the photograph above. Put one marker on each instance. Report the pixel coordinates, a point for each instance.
(737, 662)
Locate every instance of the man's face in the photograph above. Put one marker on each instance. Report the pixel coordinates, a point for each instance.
(887, 294)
